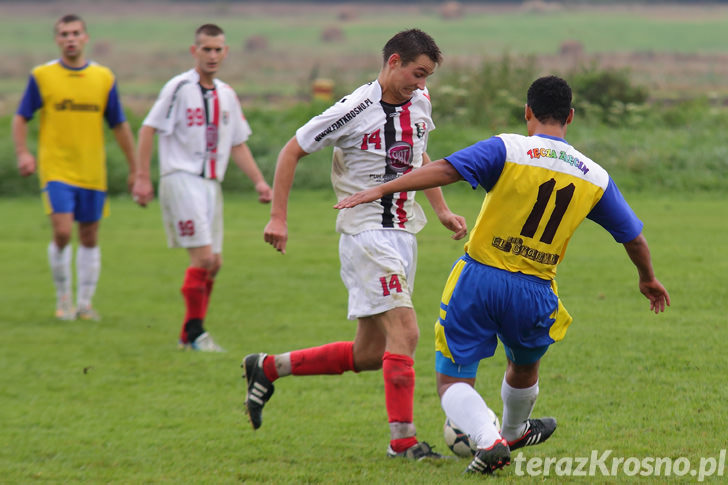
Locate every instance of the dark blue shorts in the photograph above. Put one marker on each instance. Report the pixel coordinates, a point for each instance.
(86, 205)
(481, 305)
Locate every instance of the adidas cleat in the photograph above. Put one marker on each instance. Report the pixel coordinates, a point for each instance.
(64, 309)
(88, 313)
(488, 460)
(537, 431)
(204, 343)
(260, 389)
(420, 451)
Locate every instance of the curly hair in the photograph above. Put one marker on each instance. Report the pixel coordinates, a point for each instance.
(549, 98)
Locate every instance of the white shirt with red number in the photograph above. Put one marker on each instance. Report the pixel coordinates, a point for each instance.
(197, 127)
(374, 142)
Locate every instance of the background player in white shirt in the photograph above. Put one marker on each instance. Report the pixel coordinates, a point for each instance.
(378, 132)
(200, 125)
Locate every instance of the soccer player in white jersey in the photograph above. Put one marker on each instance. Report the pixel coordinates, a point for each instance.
(378, 132)
(539, 189)
(200, 125)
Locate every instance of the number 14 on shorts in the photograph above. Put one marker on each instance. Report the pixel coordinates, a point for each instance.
(390, 284)
(186, 228)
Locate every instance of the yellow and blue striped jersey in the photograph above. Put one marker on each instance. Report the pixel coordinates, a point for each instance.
(73, 103)
(539, 189)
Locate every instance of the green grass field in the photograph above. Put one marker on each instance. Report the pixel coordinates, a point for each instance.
(116, 402)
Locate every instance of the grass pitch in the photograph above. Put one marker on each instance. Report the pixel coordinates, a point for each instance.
(116, 402)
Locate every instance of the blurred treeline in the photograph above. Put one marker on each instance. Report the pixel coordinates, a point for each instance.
(645, 145)
(415, 2)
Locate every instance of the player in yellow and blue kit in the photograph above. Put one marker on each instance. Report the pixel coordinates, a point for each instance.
(539, 189)
(74, 98)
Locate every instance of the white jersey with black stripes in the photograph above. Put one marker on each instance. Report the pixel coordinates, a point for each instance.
(197, 127)
(373, 142)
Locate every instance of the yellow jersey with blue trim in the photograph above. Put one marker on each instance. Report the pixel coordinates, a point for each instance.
(73, 103)
(539, 190)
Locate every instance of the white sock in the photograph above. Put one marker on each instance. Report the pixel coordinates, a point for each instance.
(283, 364)
(467, 410)
(60, 262)
(517, 407)
(88, 268)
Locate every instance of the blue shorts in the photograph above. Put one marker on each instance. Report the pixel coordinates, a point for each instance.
(446, 366)
(86, 205)
(482, 304)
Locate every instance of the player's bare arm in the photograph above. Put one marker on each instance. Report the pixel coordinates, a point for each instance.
(26, 160)
(434, 174)
(143, 191)
(447, 218)
(653, 290)
(125, 139)
(276, 231)
(243, 158)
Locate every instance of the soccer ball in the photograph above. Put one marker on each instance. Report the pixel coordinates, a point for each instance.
(458, 441)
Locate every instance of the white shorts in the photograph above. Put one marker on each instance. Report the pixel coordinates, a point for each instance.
(378, 268)
(191, 210)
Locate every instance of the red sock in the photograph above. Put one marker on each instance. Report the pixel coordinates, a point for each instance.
(333, 358)
(402, 444)
(269, 368)
(194, 291)
(399, 392)
(209, 283)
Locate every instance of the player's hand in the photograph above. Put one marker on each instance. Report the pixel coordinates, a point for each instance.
(656, 293)
(367, 195)
(456, 224)
(26, 164)
(265, 194)
(142, 191)
(276, 234)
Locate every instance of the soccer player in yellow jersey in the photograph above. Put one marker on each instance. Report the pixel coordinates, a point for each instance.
(74, 97)
(539, 189)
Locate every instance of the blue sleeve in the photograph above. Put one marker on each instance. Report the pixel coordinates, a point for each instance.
(31, 100)
(114, 113)
(616, 216)
(481, 163)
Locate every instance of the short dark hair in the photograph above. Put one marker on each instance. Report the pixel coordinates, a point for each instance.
(550, 99)
(208, 29)
(67, 19)
(410, 44)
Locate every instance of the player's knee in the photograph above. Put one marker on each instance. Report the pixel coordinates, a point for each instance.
(216, 265)
(522, 376)
(61, 238)
(442, 387)
(368, 364)
(368, 360)
(209, 263)
(408, 338)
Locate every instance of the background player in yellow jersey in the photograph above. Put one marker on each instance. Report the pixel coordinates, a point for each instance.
(539, 189)
(74, 97)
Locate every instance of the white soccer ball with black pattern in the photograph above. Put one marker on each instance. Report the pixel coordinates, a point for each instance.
(458, 441)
